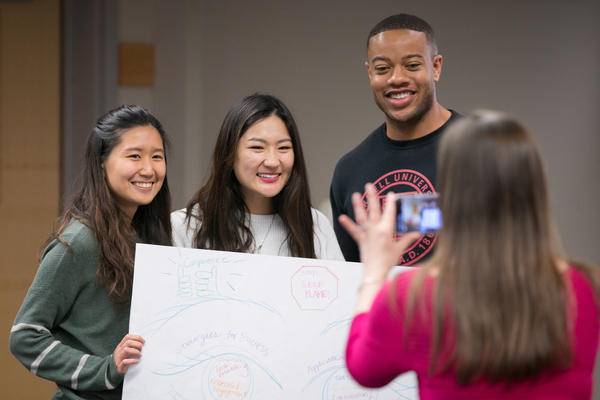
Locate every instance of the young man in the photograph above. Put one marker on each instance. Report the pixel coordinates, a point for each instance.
(400, 155)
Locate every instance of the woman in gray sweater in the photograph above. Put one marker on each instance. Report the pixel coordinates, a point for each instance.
(73, 325)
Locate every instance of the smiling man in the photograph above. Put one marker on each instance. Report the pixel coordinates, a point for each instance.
(400, 155)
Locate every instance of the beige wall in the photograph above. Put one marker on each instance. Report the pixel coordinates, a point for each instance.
(176, 97)
(29, 165)
(535, 59)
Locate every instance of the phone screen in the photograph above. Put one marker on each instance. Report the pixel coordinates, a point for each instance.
(418, 213)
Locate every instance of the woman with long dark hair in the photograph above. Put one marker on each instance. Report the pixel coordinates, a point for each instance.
(73, 325)
(256, 198)
(497, 312)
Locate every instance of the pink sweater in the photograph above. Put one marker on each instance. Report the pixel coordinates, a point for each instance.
(375, 354)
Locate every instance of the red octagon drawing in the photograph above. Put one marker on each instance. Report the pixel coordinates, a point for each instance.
(314, 288)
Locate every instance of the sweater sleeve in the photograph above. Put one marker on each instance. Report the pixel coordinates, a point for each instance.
(49, 300)
(376, 352)
(182, 235)
(326, 244)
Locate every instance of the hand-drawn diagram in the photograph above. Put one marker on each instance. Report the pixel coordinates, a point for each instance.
(219, 374)
(314, 288)
(222, 325)
(335, 382)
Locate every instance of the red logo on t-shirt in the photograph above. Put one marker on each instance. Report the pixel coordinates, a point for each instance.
(406, 181)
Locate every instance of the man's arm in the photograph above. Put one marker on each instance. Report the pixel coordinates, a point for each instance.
(337, 197)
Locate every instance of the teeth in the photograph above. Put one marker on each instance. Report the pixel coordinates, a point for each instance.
(399, 96)
(268, 176)
(143, 185)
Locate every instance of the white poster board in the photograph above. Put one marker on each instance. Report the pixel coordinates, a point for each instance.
(222, 325)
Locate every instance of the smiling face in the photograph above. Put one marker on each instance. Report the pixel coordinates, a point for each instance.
(263, 163)
(403, 74)
(135, 168)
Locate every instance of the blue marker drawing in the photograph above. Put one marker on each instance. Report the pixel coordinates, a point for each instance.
(228, 372)
(399, 387)
(173, 394)
(204, 282)
(222, 325)
(341, 323)
(339, 382)
(184, 283)
(178, 311)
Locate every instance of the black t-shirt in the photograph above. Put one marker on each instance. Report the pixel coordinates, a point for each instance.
(407, 166)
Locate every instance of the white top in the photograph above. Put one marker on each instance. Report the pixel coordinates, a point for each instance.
(269, 234)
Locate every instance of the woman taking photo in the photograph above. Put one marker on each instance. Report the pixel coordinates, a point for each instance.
(498, 312)
(72, 327)
(256, 198)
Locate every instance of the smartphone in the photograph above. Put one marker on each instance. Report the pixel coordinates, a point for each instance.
(418, 212)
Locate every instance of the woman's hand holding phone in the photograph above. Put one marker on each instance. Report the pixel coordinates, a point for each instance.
(374, 233)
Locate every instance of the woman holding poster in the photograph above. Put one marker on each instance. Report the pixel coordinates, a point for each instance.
(256, 199)
(73, 325)
(497, 312)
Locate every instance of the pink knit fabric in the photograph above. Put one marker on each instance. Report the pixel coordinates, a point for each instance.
(376, 353)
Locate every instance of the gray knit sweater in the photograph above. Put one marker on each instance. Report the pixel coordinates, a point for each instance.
(68, 327)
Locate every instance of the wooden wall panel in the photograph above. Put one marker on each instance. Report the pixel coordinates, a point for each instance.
(136, 64)
(29, 165)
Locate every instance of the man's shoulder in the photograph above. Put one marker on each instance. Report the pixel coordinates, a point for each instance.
(453, 117)
(437, 133)
(366, 146)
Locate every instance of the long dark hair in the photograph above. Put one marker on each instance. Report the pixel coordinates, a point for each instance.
(498, 256)
(94, 205)
(220, 201)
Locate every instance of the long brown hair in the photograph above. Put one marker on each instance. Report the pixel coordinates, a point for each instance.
(220, 201)
(499, 286)
(93, 204)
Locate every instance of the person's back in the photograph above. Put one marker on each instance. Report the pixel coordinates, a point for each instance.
(380, 349)
(497, 312)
